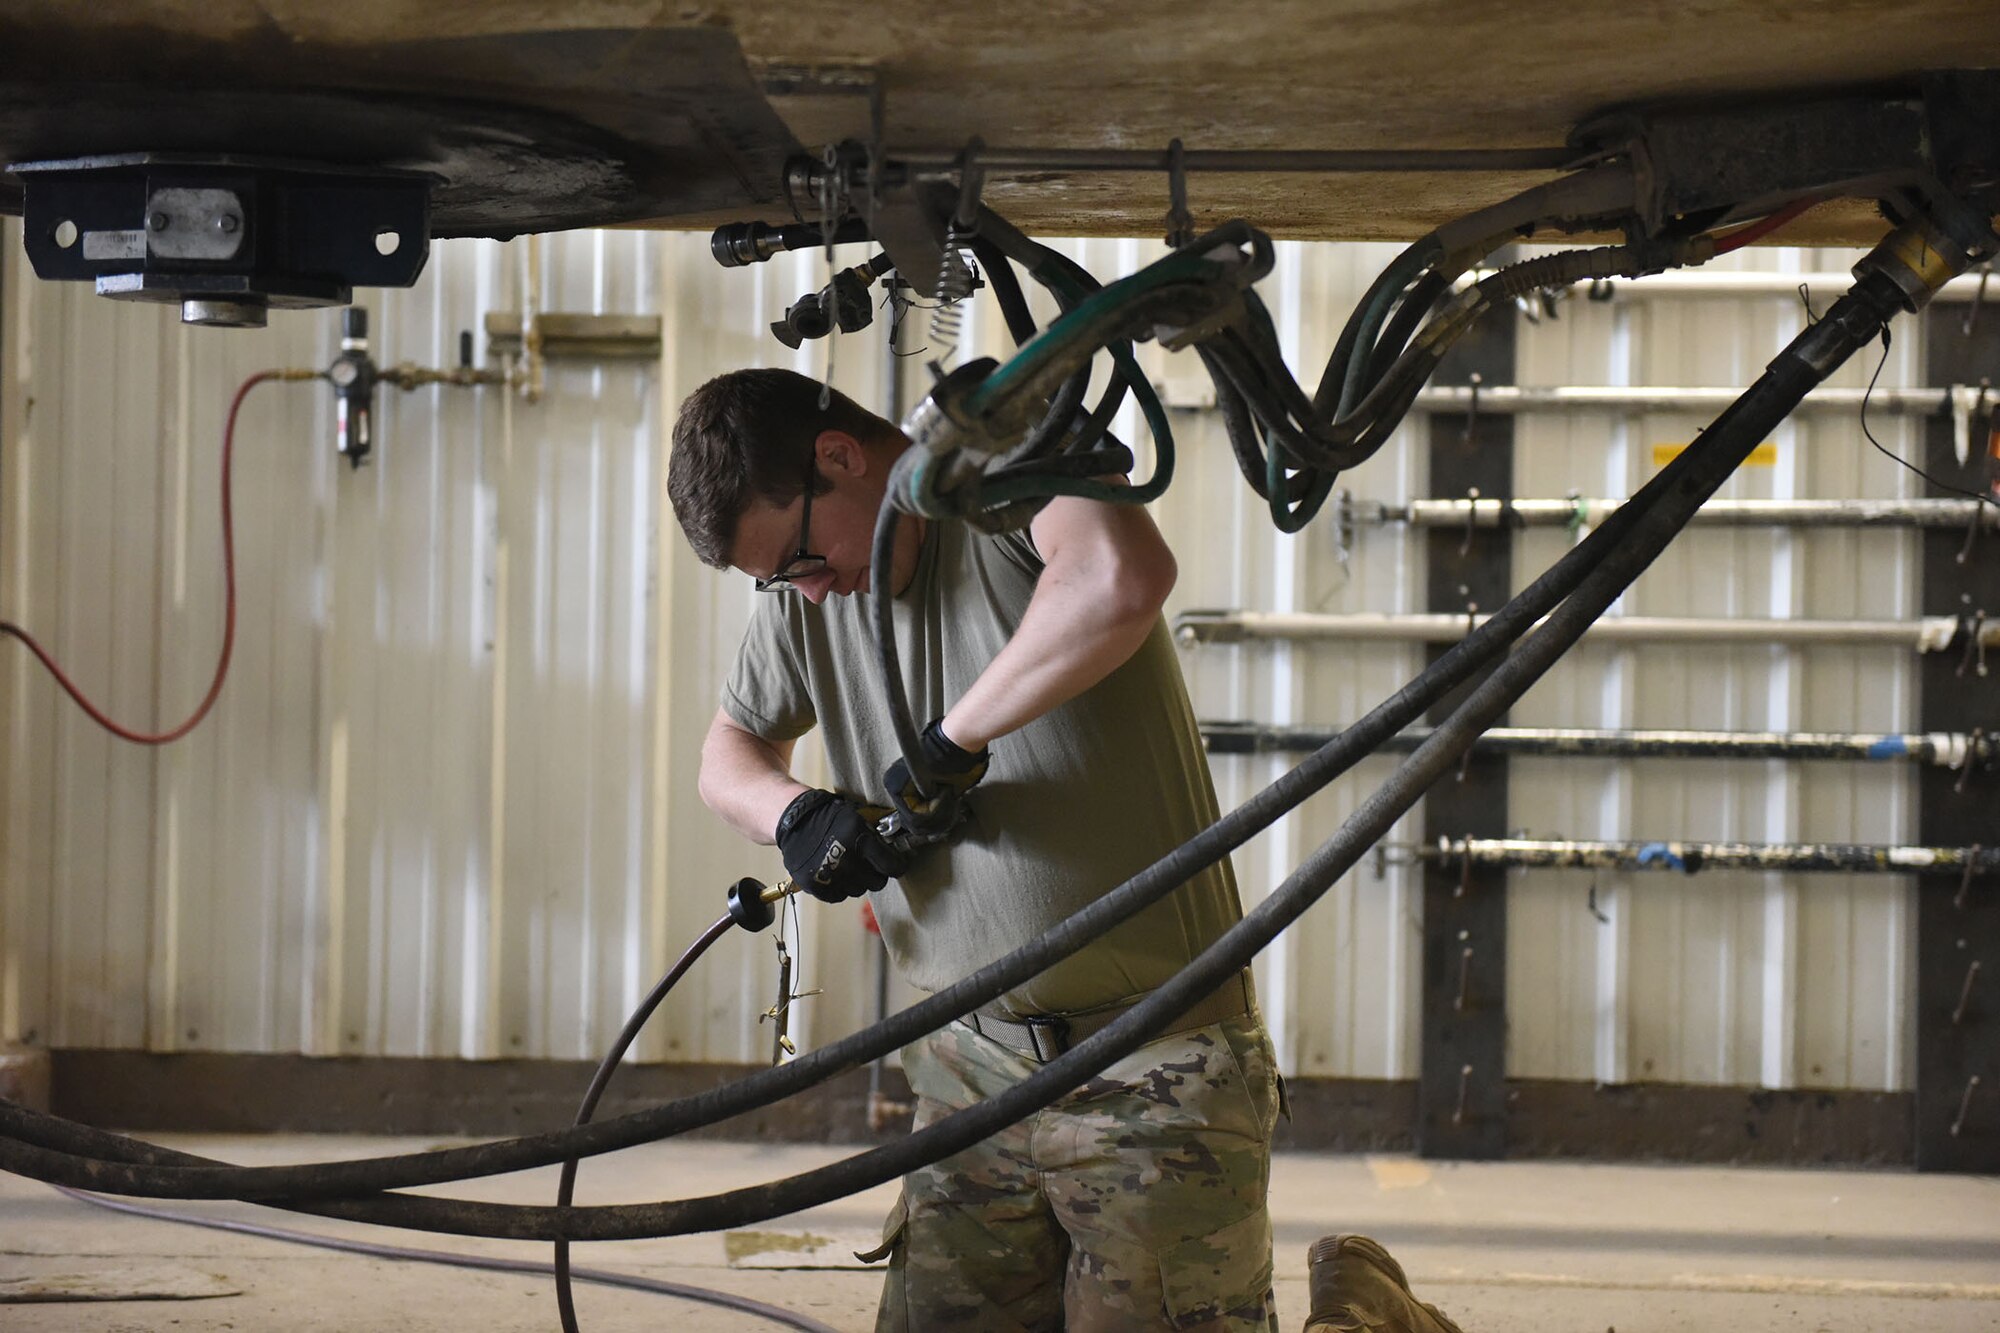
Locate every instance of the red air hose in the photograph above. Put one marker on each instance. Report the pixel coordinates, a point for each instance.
(69, 686)
(1758, 230)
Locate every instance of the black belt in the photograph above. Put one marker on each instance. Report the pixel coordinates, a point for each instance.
(1042, 1037)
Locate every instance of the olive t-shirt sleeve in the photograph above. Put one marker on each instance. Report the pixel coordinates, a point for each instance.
(1018, 548)
(767, 693)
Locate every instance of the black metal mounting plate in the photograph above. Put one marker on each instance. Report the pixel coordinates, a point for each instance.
(1703, 164)
(173, 227)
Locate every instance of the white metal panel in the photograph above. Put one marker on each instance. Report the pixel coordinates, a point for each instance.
(111, 466)
(1341, 986)
(446, 803)
(1734, 978)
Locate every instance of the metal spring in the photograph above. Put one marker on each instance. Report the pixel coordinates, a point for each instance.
(956, 276)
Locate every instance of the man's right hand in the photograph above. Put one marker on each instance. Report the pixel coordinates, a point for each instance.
(831, 848)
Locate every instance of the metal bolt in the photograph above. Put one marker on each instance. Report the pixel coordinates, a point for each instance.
(1971, 534)
(1465, 977)
(1973, 751)
(228, 223)
(1965, 993)
(1978, 300)
(1964, 1105)
(1465, 1094)
(1975, 645)
(158, 221)
(1180, 222)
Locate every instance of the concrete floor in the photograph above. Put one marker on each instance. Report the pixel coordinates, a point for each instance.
(1503, 1248)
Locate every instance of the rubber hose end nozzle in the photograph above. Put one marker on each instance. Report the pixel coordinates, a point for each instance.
(747, 907)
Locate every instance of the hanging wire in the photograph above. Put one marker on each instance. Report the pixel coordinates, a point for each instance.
(830, 199)
(1897, 458)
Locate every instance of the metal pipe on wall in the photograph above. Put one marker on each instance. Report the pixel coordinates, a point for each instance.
(1930, 634)
(532, 369)
(1724, 283)
(943, 163)
(1511, 399)
(1941, 749)
(1691, 857)
(1583, 511)
(1963, 403)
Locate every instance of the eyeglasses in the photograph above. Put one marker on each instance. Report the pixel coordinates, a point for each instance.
(803, 564)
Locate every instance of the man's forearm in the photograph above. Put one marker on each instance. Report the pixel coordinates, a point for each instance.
(746, 779)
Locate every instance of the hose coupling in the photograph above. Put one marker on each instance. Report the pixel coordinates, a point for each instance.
(1919, 257)
(943, 423)
(753, 904)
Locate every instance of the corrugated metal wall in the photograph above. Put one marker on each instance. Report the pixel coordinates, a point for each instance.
(446, 806)
(1742, 978)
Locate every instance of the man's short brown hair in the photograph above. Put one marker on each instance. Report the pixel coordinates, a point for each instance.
(746, 435)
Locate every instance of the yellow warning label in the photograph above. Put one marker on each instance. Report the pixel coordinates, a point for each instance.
(1764, 455)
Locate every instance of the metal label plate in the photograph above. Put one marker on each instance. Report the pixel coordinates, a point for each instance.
(102, 245)
(184, 223)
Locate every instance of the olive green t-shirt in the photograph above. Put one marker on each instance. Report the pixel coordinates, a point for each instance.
(1075, 803)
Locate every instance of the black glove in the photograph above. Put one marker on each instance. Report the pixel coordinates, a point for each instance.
(831, 848)
(954, 772)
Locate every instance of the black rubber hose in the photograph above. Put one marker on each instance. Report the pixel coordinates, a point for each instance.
(602, 1277)
(1245, 443)
(1715, 455)
(1048, 433)
(371, 1175)
(1405, 269)
(1032, 255)
(1853, 320)
(27, 1129)
(1046, 266)
(888, 662)
(360, 1177)
(1330, 448)
(1303, 427)
(459, 1216)
(1006, 287)
(336, 1179)
(1063, 406)
(1433, 287)
(1302, 487)
(1097, 427)
(566, 1187)
(1254, 367)
(1096, 463)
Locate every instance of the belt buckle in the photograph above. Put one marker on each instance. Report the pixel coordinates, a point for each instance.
(1053, 1027)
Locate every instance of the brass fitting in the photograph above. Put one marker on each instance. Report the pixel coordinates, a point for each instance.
(1919, 258)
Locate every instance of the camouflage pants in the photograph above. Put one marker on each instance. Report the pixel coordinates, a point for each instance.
(1135, 1202)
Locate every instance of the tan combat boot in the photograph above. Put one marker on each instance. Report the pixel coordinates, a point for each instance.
(1358, 1288)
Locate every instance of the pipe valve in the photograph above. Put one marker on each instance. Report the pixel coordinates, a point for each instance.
(353, 375)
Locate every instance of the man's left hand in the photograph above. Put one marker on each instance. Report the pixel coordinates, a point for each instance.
(954, 772)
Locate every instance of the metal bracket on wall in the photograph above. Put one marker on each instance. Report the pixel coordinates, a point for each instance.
(1958, 914)
(579, 337)
(1462, 1083)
